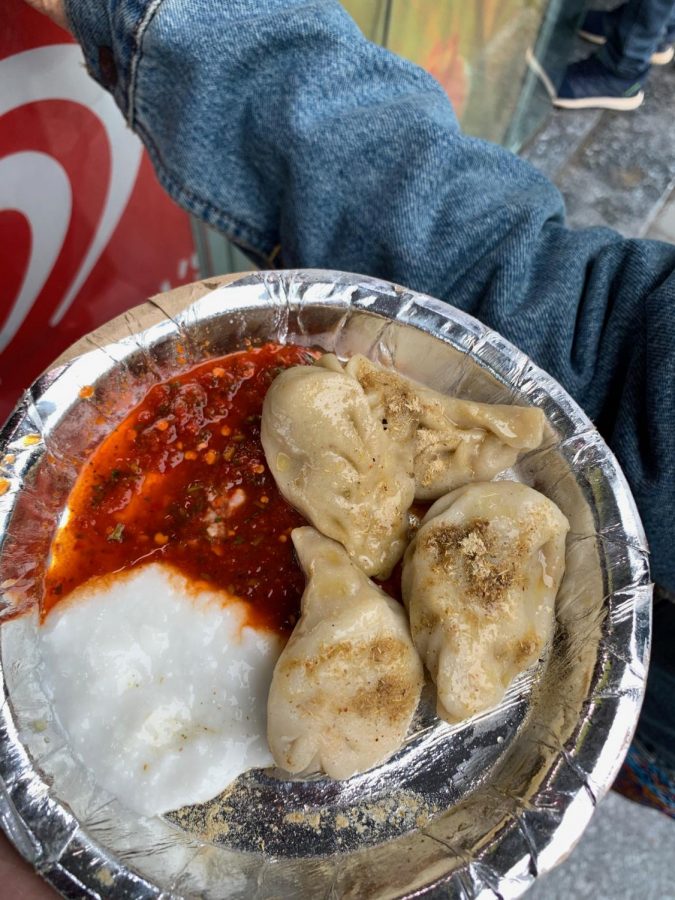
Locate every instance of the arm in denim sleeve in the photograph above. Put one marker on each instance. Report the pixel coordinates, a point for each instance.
(279, 124)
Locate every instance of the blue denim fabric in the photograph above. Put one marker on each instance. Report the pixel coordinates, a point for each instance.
(636, 29)
(279, 124)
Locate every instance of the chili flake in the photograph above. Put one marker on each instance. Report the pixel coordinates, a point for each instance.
(117, 533)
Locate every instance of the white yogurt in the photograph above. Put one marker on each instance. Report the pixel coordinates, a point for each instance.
(162, 692)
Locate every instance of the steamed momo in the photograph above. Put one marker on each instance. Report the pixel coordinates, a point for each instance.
(480, 581)
(346, 685)
(334, 463)
(452, 442)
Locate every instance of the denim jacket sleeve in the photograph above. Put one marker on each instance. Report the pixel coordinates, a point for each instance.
(279, 124)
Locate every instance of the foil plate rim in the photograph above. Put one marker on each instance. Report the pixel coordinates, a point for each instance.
(27, 811)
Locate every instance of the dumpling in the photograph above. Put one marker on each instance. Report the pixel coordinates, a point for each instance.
(334, 463)
(459, 441)
(480, 580)
(452, 442)
(347, 684)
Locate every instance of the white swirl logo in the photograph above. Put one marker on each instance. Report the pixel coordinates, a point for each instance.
(37, 186)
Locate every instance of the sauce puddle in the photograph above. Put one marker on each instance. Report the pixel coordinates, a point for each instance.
(183, 481)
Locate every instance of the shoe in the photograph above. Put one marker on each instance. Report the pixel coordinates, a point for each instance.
(594, 29)
(663, 55)
(537, 69)
(589, 85)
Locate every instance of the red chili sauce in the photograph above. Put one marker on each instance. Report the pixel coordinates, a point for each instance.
(183, 480)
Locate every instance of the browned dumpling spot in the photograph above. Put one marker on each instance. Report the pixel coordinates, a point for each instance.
(346, 686)
(480, 581)
(451, 442)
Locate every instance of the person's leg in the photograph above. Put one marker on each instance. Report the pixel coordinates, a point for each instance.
(634, 35)
(614, 77)
(597, 23)
(669, 37)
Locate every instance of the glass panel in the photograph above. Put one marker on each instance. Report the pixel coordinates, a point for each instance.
(552, 51)
(371, 16)
(479, 52)
(475, 50)
(217, 255)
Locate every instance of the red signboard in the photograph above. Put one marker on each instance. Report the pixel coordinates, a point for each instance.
(85, 229)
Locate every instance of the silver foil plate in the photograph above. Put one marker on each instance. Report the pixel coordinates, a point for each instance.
(473, 810)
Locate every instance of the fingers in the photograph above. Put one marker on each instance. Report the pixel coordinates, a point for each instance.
(17, 878)
(54, 9)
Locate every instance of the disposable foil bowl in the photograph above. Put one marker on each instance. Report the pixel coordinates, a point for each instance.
(476, 809)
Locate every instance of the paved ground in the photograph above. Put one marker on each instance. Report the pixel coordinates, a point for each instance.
(663, 225)
(616, 169)
(626, 852)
